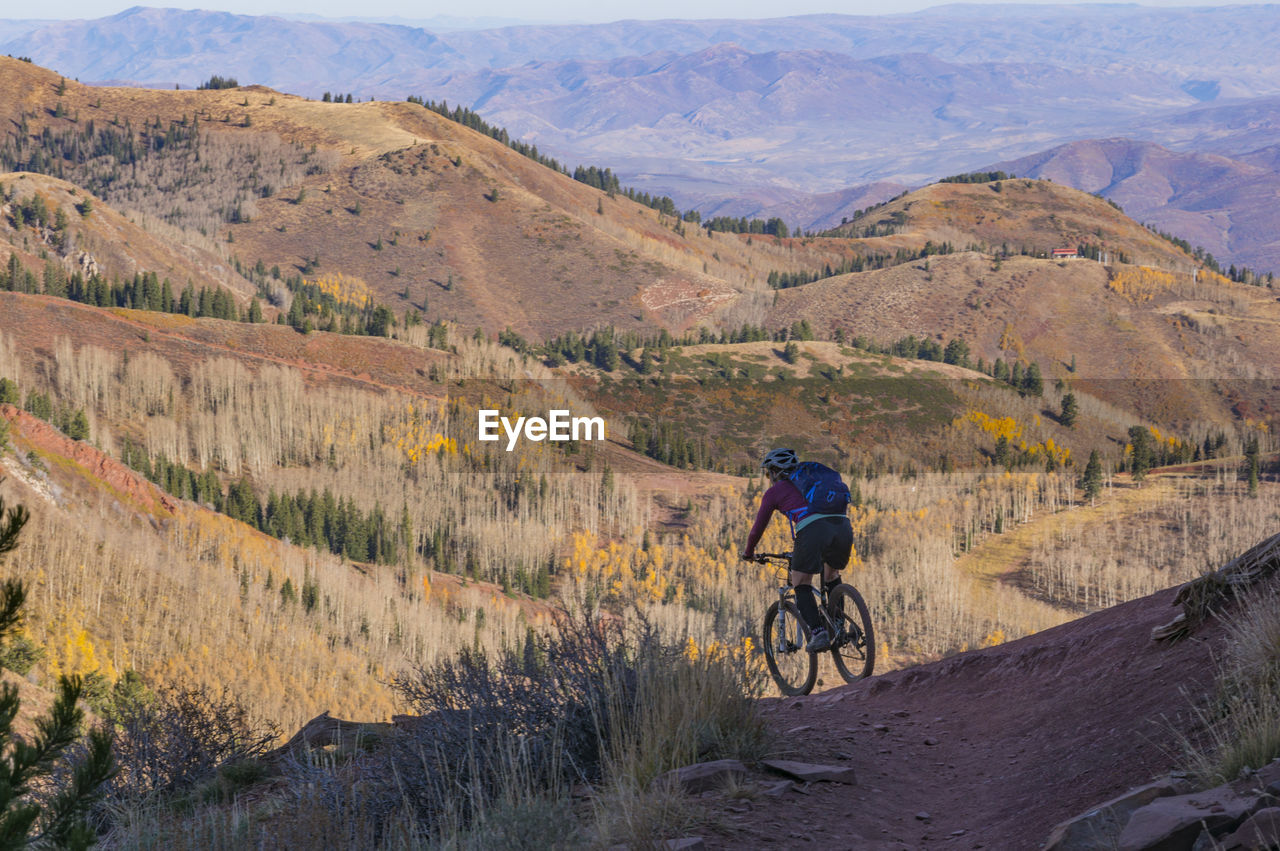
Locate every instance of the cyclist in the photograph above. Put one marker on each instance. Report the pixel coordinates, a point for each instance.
(823, 541)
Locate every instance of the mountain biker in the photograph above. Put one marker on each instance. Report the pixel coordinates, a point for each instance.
(823, 542)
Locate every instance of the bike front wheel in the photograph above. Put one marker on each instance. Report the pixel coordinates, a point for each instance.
(854, 649)
(794, 669)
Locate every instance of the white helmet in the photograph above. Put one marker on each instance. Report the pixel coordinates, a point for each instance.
(780, 461)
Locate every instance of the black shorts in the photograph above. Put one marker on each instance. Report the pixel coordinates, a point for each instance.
(827, 540)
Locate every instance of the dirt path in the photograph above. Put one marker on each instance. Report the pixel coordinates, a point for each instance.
(1000, 560)
(1000, 557)
(989, 749)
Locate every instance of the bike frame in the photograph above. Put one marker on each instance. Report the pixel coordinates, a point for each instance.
(787, 591)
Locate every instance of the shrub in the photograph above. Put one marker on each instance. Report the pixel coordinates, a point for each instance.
(542, 708)
(20, 654)
(180, 738)
(491, 755)
(593, 702)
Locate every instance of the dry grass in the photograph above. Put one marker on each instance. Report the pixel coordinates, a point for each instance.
(1243, 723)
(646, 705)
(242, 409)
(401, 177)
(117, 243)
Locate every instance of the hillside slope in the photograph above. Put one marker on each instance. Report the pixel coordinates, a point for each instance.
(993, 747)
(103, 241)
(973, 85)
(419, 212)
(1153, 320)
(1223, 204)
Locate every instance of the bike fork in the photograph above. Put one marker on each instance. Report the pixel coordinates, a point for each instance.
(784, 629)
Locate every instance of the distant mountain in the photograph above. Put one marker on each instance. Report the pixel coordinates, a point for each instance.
(1213, 53)
(1186, 42)
(1225, 205)
(727, 114)
(809, 120)
(436, 23)
(173, 46)
(1233, 128)
(10, 30)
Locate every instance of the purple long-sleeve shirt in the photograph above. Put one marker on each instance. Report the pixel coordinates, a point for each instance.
(783, 497)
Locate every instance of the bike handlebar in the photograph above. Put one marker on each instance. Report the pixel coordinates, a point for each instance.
(761, 558)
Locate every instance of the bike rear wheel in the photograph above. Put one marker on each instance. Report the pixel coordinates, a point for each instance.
(854, 649)
(794, 669)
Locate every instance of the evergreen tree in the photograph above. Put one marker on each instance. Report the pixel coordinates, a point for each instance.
(1092, 479)
(1003, 452)
(1070, 410)
(78, 425)
(1032, 383)
(957, 352)
(1253, 463)
(1143, 457)
(57, 818)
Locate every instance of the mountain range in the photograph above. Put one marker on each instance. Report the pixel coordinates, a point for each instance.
(1224, 204)
(245, 337)
(786, 117)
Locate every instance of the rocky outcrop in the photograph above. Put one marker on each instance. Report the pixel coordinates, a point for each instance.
(1091, 829)
(1174, 824)
(1260, 830)
(1165, 816)
(130, 487)
(325, 731)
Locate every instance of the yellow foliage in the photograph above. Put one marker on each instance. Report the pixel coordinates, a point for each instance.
(416, 438)
(76, 654)
(996, 636)
(1140, 283)
(1008, 428)
(716, 650)
(344, 289)
(1010, 341)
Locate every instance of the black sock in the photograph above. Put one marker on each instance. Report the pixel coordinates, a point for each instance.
(808, 606)
(831, 586)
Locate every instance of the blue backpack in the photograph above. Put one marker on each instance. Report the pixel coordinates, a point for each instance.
(823, 490)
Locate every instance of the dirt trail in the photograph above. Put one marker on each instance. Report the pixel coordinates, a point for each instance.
(996, 746)
(999, 560)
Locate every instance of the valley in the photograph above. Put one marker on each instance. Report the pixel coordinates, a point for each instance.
(245, 337)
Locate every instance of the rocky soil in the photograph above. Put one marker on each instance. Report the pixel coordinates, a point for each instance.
(990, 749)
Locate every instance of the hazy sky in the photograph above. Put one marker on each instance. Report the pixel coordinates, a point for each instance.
(517, 10)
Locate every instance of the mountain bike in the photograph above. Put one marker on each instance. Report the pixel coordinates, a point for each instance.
(785, 634)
